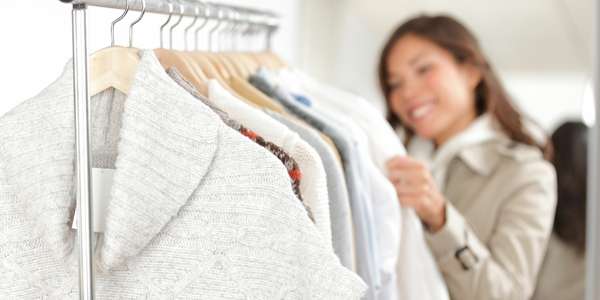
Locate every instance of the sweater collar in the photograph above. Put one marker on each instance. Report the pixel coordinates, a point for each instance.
(167, 143)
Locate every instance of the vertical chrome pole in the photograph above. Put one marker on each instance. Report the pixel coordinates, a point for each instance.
(270, 32)
(80, 85)
(593, 207)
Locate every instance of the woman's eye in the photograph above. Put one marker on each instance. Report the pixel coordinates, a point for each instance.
(395, 85)
(423, 69)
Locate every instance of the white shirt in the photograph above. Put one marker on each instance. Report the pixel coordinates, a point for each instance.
(411, 259)
(406, 261)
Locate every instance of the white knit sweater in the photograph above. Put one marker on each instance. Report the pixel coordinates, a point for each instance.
(314, 180)
(196, 210)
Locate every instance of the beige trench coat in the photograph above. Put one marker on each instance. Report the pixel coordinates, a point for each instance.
(501, 201)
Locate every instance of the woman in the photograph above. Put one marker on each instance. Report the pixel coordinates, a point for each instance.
(476, 178)
(562, 276)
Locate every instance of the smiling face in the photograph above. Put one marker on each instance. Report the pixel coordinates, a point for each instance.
(432, 93)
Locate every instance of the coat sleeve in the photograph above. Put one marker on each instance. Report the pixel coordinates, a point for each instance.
(506, 266)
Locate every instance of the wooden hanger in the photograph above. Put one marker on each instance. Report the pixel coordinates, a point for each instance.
(276, 61)
(206, 60)
(236, 62)
(253, 64)
(247, 64)
(115, 67)
(260, 61)
(175, 59)
(228, 67)
(203, 61)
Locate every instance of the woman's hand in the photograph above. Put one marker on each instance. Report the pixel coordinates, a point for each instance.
(415, 188)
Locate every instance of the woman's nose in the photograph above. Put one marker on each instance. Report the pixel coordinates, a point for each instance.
(410, 91)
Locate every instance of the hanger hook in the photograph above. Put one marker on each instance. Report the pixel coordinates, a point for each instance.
(235, 29)
(187, 29)
(271, 26)
(162, 27)
(181, 11)
(254, 25)
(245, 23)
(249, 20)
(249, 30)
(203, 24)
(211, 45)
(135, 22)
(275, 23)
(117, 20)
(223, 30)
(230, 30)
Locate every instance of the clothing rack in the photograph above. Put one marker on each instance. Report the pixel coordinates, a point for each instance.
(188, 8)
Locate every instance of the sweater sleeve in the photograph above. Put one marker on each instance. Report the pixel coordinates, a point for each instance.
(5, 195)
(506, 266)
(8, 210)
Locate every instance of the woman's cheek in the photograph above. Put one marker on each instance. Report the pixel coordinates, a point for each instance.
(397, 106)
(433, 80)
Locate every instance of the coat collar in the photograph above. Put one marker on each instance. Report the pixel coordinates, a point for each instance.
(471, 146)
(482, 158)
(167, 143)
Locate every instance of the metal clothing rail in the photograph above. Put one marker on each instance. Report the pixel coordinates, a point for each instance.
(189, 7)
(82, 110)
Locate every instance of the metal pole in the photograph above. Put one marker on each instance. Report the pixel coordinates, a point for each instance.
(593, 223)
(162, 7)
(83, 192)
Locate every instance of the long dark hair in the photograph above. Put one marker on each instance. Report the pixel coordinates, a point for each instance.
(570, 161)
(491, 96)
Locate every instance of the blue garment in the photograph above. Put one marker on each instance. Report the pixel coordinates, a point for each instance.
(302, 99)
(360, 202)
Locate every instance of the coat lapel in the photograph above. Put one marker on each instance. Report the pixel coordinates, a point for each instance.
(482, 158)
(167, 144)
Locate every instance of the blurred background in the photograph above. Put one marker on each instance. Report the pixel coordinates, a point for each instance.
(541, 48)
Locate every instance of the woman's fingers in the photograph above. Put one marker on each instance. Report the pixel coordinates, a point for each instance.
(414, 185)
(415, 202)
(415, 176)
(402, 162)
(416, 188)
(412, 190)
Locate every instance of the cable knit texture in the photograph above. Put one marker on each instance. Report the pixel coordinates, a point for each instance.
(196, 210)
(339, 202)
(289, 162)
(314, 181)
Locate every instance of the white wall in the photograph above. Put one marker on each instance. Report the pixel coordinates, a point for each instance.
(549, 98)
(542, 49)
(544, 61)
(36, 38)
